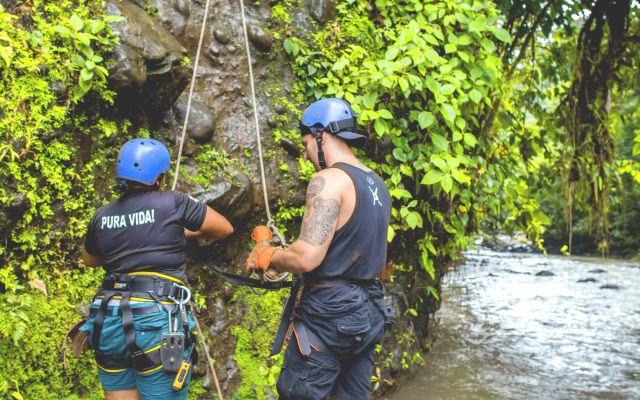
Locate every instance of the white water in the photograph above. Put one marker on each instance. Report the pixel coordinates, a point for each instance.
(519, 336)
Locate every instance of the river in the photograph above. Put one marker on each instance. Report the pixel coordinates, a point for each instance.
(506, 333)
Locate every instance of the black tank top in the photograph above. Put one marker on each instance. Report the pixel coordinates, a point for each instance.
(359, 248)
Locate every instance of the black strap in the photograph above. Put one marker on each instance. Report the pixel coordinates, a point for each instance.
(340, 281)
(113, 363)
(233, 278)
(139, 310)
(338, 126)
(287, 312)
(301, 335)
(141, 360)
(319, 344)
(163, 287)
(99, 321)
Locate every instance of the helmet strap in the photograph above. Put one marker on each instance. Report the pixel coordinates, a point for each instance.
(318, 136)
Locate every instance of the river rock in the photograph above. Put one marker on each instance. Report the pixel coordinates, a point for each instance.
(259, 38)
(597, 271)
(493, 275)
(232, 196)
(516, 272)
(281, 109)
(290, 147)
(221, 36)
(587, 280)
(545, 273)
(610, 286)
(202, 121)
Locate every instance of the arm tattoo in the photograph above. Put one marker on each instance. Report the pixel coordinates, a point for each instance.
(315, 187)
(318, 224)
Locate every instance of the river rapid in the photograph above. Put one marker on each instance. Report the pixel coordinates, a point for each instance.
(506, 333)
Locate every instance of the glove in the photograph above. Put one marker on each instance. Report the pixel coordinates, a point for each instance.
(260, 256)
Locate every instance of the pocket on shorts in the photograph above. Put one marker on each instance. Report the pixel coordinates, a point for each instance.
(307, 378)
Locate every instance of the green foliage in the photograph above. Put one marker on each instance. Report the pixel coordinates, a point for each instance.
(422, 74)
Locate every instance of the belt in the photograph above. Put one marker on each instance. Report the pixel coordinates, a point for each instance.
(340, 281)
(110, 312)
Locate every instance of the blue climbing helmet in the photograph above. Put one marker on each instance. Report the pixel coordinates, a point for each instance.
(143, 160)
(334, 116)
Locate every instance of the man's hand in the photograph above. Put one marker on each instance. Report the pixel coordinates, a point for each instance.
(260, 256)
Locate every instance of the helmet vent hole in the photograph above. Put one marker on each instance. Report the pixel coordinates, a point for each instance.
(141, 142)
(135, 165)
(119, 161)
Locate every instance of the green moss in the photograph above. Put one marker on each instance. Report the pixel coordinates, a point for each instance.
(254, 340)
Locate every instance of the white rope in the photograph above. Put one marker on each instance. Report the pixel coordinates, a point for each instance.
(255, 111)
(193, 82)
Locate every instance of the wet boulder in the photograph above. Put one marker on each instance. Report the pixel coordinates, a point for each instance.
(149, 47)
(230, 193)
(221, 36)
(585, 280)
(202, 121)
(545, 273)
(259, 38)
(511, 271)
(597, 271)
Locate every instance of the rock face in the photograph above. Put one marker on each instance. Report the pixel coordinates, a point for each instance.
(148, 67)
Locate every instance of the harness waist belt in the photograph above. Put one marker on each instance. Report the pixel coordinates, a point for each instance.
(340, 281)
(110, 312)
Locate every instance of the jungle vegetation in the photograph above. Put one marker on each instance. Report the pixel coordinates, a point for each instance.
(512, 116)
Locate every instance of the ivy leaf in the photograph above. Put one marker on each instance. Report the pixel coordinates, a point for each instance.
(392, 53)
(457, 136)
(399, 155)
(90, 65)
(488, 45)
(83, 38)
(447, 183)
(464, 40)
(439, 162)
(288, 46)
(390, 234)
(432, 84)
(475, 95)
(339, 65)
(312, 69)
(62, 30)
(78, 61)
(448, 89)
(432, 177)
(380, 126)
(86, 74)
(448, 112)
(76, 23)
(85, 85)
(502, 35)
(470, 140)
(426, 119)
(450, 48)
(461, 123)
(476, 73)
(385, 114)
(439, 141)
(414, 220)
(369, 100)
(404, 85)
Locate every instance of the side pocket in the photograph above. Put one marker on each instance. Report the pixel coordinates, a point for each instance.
(286, 381)
(354, 329)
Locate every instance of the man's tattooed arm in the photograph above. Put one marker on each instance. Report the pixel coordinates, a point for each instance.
(315, 187)
(319, 222)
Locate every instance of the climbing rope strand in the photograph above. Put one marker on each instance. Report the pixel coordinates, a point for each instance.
(193, 82)
(255, 110)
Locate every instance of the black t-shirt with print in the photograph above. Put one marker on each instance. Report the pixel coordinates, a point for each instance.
(144, 231)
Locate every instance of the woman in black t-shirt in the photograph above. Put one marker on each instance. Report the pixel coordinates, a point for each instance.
(140, 241)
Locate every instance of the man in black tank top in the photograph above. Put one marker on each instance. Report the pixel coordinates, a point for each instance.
(340, 315)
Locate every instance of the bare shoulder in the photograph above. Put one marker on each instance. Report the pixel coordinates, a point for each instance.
(331, 180)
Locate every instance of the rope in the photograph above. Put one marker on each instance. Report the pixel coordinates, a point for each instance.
(206, 353)
(193, 82)
(255, 111)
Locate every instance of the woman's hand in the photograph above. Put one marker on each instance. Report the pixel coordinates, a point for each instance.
(187, 234)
